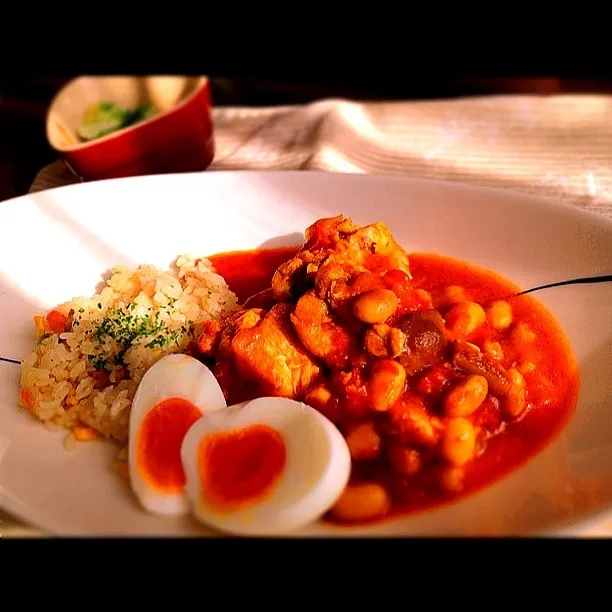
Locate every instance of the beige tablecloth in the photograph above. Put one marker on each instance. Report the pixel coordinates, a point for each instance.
(557, 146)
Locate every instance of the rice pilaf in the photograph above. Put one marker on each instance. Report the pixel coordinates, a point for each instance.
(92, 352)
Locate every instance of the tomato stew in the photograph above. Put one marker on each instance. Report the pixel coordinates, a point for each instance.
(461, 423)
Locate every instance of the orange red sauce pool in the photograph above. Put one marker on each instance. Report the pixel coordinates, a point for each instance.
(248, 272)
(159, 443)
(553, 401)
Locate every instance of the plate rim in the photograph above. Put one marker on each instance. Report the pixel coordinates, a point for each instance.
(586, 520)
(548, 200)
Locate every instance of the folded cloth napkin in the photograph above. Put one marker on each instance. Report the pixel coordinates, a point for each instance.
(555, 146)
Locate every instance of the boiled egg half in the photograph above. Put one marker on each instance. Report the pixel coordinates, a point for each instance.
(173, 394)
(264, 467)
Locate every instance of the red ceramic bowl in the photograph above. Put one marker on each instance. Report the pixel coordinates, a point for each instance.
(178, 138)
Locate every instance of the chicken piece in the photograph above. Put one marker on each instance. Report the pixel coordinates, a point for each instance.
(341, 244)
(340, 234)
(296, 275)
(326, 232)
(332, 279)
(376, 247)
(382, 340)
(336, 281)
(270, 353)
(214, 346)
(216, 334)
(410, 421)
(209, 336)
(258, 353)
(320, 333)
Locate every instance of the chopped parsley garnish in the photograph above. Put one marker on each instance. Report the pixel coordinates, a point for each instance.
(99, 363)
(125, 328)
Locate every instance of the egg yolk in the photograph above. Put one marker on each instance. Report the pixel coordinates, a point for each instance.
(159, 443)
(240, 466)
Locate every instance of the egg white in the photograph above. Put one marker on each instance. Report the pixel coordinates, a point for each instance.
(173, 376)
(316, 471)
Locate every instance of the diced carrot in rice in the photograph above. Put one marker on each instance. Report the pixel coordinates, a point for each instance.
(39, 325)
(56, 321)
(82, 433)
(26, 399)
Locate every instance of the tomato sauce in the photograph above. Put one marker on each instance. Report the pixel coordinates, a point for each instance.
(552, 387)
(248, 272)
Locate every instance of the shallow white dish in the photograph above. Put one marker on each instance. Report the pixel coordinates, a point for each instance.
(56, 244)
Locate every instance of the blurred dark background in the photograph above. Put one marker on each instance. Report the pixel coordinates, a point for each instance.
(24, 102)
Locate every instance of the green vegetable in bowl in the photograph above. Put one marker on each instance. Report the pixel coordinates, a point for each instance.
(106, 117)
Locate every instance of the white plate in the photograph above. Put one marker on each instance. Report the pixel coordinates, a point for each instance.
(56, 244)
